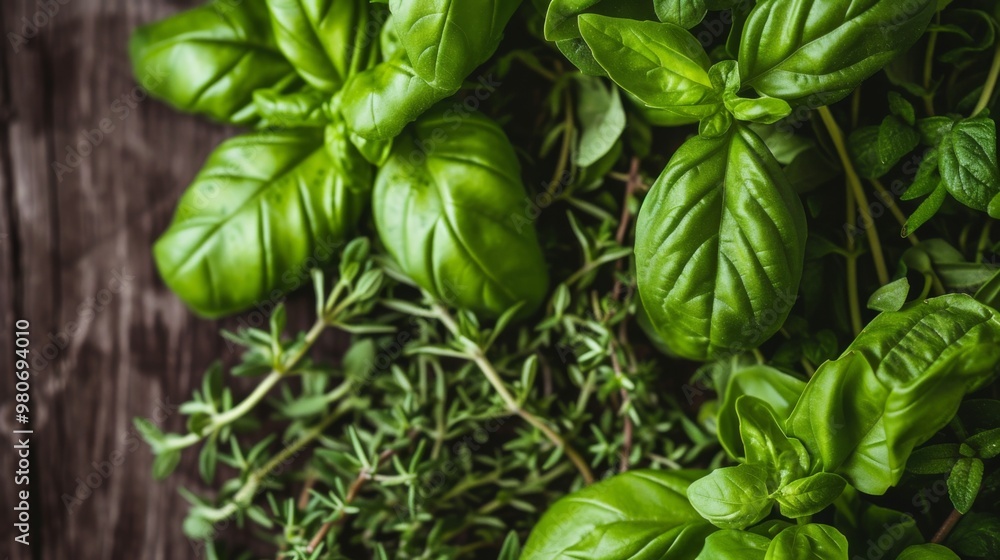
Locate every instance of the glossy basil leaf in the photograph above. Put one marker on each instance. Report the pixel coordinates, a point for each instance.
(445, 40)
(442, 206)
(602, 118)
(779, 390)
(823, 50)
(876, 150)
(808, 496)
(304, 108)
(894, 387)
(733, 497)
(725, 77)
(927, 209)
(326, 40)
(964, 481)
(808, 542)
(720, 246)
(767, 445)
(210, 60)
(264, 206)
(378, 103)
(562, 26)
(967, 157)
(731, 544)
(685, 13)
(637, 514)
(890, 297)
(928, 551)
(661, 64)
(934, 459)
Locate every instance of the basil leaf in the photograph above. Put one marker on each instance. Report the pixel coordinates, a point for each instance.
(443, 204)
(927, 209)
(211, 59)
(685, 13)
(733, 497)
(779, 390)
(766, 443)
(445, 40)
(378, 103)
(264, 208)
(967, 157)
(927, 552)
(808, 542)
(731, 544)
(602, 118)
(326, 40)
(725, 77)
(661, 64)
(616, 519)
(825, 49)
(720, 243)
(300, 109)
(562, 26)
(810, 495)
(894, 387)
(890, 297)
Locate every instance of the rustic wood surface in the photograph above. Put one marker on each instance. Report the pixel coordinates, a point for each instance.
(112, 343)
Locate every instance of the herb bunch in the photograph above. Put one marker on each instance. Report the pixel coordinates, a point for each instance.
(603, 268)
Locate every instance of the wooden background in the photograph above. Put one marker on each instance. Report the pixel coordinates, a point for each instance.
(112, 343)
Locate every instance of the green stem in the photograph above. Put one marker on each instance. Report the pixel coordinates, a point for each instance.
(991, 83)
(929, 69)
(475, 353)
(854, 305)
(859, 193)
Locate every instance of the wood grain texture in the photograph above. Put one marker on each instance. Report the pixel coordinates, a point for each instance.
(112, 343)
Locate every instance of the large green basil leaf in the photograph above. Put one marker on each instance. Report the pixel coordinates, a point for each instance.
(443, 204)
(894, 387)
(967, 159)
(209, 60)
(796, 49)
(637, 515)
(733, 497)
(779, 390)
(661, 64)
(808, 542)
(732, 544)
(265, 208)
(562, 26)
(446, 40)
(326, 40)
(720, 246)
(378, 103)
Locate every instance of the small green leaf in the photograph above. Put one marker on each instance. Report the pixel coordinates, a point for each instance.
(968, 162)
(731, 544)
(732, 497)
(928, 551)
(808, 542)
(927, 209)
(933, 459)
(902, 108)
(963, 483)
(986, 444)
(890, 297)
(165, 463)
(810, 495)
(602, 118)
(685, 13)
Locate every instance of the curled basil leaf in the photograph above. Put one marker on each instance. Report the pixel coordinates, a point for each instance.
(894, 387)
(265, 209)
(210, 60)
(798, 49)
(779, 390)
(326, 40)
(635, 512)
(720, 246)
(446, 40)
(443, 206)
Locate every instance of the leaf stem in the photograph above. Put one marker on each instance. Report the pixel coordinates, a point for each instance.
(991, 83)
(854, 304)
(859, 192)
(947, 526)
(929, 69)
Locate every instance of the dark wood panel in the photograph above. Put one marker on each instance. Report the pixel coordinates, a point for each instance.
(75, 260)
